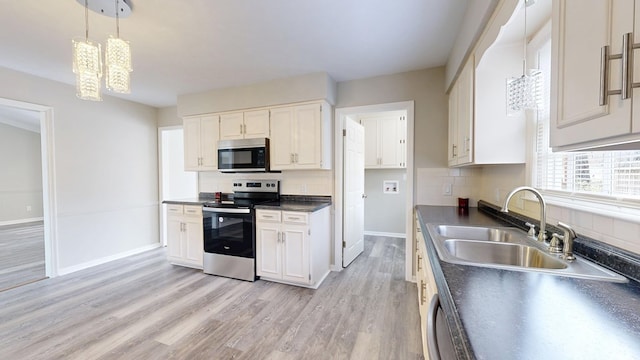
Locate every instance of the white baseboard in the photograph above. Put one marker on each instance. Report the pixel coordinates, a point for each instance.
(106, 259)
(21, 221)
(387, 234)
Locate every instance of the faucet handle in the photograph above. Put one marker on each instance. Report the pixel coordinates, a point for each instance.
(555, 246)
(532, 229)
(569, 236)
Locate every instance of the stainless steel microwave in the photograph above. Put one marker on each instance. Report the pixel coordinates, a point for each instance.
(243, 155)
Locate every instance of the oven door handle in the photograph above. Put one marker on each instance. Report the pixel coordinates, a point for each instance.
(226, 210)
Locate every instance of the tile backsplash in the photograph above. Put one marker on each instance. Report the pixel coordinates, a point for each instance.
(302, 182)
(493, 183)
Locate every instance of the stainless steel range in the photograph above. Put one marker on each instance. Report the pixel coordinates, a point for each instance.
(230, 231)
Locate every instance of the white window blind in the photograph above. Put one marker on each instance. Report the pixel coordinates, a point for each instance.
(614, 174)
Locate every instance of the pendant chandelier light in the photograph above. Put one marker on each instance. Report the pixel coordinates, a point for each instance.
(87, 64)
(87, 55)
(524, 92)
(118, 60)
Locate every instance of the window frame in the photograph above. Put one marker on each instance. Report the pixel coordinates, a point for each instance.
(611, 206)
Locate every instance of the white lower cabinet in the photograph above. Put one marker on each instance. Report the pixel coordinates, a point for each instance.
(426, 284)
(185, 235)
(293, 247)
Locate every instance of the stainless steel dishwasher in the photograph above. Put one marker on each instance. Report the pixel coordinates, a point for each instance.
(438, 334)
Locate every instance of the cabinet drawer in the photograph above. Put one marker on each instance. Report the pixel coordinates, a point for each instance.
(174, 209)
(269, 215)
(193, 210)
(295, 217)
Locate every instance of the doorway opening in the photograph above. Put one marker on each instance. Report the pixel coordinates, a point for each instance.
(175, 183)
(27, 218)
(343, 178)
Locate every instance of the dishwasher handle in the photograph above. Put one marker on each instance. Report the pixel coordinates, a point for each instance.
(432, 339)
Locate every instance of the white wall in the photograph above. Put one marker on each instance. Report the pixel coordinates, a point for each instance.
(168, 116)
(105, 170)
(316, 86)
(475, 18)
(424, 87)
(384, 212)
(21, 175)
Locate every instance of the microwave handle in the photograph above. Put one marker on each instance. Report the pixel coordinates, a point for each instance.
(432, 340)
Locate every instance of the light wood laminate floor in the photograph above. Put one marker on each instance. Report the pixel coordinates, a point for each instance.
(21, 254)
(141, 307)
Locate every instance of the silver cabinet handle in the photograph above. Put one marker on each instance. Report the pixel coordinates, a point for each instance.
(604, 75)
(279, 236)
(627, 53)
(626, 57)
(284, 237)
(453, 150)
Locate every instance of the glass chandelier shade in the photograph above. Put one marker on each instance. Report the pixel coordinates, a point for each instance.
(87, 65)
(118, 63)
(87, 56)
(524, 92)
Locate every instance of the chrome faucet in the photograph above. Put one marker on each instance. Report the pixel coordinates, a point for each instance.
(543, 209)
(568, 237)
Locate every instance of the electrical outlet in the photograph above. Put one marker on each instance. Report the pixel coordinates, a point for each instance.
(446, 189)
(28, 208)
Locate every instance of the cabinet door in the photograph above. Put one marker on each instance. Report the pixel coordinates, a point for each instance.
(390, 145)
(307, 137)
(231, 126)
(268, 252)
(174, 236)
(453, 125)
(580, 29)
(465, 114)
(371, 155)
(209, 134)
(281, 142)
(256, 124)
(191, 135)
(193, 237)
(295, 264)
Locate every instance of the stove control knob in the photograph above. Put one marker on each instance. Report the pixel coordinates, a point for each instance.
(268, 185)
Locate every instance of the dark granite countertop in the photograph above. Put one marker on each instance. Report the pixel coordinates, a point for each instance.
(502, 314)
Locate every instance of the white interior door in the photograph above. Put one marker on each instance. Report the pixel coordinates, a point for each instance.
(353, 220)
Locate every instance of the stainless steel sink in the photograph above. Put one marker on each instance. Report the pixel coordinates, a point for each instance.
(502, 254)
(476, 233)
(509, 249)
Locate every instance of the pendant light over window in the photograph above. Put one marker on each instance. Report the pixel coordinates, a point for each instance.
(87, 55)
(524, 92)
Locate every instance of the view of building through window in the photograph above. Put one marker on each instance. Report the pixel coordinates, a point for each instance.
(605, 173)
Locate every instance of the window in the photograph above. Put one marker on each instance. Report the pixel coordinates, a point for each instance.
(610, 174)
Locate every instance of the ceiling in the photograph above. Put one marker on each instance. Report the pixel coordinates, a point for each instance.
(190, 46)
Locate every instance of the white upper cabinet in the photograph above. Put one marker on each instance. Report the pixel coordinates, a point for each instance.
(301, 137)
(385, 140)
(461, 118)
(583, 115)
(201, 134)
(480, 130)
(244, 125)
